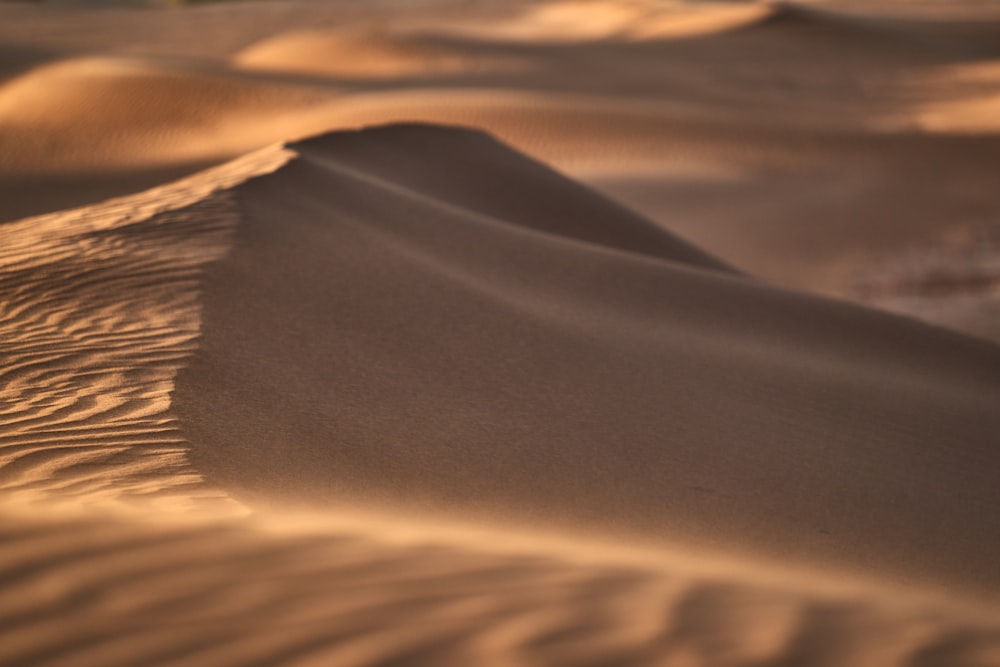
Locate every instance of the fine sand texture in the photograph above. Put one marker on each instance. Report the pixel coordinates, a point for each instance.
(443, 333)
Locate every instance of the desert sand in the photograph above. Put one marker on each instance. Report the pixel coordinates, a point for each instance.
(555, 332)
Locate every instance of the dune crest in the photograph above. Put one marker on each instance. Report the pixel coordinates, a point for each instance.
(453, 330)
(125, 112)
(99, 312)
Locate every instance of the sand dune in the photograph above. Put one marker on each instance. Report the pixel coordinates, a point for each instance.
(448, 337)
(893, 39)
(99, 310)
(423, 395)
(393, 233)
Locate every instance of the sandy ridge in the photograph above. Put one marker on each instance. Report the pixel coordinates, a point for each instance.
(98, 312)
(105, 299)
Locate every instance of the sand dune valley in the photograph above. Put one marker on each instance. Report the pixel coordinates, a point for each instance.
(500, 333)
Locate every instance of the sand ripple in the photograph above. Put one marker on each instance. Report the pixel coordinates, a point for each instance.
(98, 309)
(89, 593)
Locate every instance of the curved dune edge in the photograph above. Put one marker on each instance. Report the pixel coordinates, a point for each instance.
(100, 311)
(95, 582)
(108, 113)
(368, 54)
(568, 21)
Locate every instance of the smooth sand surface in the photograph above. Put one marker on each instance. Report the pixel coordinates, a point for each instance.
(543, 373)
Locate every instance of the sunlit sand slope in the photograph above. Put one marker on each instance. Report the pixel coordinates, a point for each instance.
(97, 311)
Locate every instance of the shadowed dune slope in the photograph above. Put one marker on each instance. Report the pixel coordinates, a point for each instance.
(398, 328)
(475, 177)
